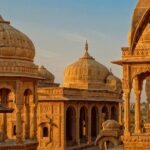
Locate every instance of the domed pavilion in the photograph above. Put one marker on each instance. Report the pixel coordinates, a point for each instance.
(73, 113)
(47, 116)
(136, 68)
(18, 88)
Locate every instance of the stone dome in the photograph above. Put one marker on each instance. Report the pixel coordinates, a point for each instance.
(114, 83)
(85, 73)
(45, 74)
(138, 18)
(111, 125)
(112, 77)
(14, 44)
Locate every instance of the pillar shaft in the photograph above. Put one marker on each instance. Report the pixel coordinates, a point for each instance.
(127, 111)
(137, 113)
(19, 135)
(32, 122)
(27, 122)
(120, 113)
(77, 129)
(137, 96)
(89, 126)
(148, 110)
(19, 107)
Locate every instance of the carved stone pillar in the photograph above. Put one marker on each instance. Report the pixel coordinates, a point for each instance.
(77, 128)
(19, 108)
(109, 112)
(2, 126)
(120, 113)
(27, 122)
(89, 126)
(100, 118)
(137, 113)
(33, 121)
(127, 112)
(19, 131)
(148, 109)
(137, 96)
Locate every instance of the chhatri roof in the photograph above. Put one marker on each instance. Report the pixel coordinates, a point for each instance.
(14, 44)
(140, 20)
(46, 74)
(85, 73)
(16, 53)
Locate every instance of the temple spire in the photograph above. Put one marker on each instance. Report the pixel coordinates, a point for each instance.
(3, 21)
(86, 46)
(86, 54)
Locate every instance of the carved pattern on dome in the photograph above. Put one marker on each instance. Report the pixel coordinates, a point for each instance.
(85, 73)
(14, 44)
(47, 75)
(140, 21)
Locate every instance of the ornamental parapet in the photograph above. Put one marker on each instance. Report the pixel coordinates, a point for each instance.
(49, 93)
(14, 68)
(136, 138)
(126, 53)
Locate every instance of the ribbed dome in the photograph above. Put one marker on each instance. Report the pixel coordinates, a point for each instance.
(14, 44)
(138, 21)
(114, 83)
(111, 125)
(86, 73)
(45, 74)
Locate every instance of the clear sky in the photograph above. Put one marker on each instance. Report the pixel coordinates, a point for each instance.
(59, 29)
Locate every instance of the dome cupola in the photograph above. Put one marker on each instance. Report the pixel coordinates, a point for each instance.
(16, 52)
(139, 38)
(14, 44)
(85, 73)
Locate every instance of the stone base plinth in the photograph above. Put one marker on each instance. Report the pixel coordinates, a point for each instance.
(11, 145)
(136, 142)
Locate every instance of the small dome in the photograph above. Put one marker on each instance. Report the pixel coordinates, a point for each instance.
(14, 44)
(85, 73)
(45, 74)
(114, 83)
(111, 78)
(111, 125)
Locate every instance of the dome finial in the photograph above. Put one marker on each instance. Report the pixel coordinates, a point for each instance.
(3, 21)
(86, 46)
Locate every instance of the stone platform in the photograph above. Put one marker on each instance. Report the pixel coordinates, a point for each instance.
(11, 145)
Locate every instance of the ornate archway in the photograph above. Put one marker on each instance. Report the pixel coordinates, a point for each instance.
(136, 67)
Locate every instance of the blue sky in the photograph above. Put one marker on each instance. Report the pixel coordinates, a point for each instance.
(59, 29)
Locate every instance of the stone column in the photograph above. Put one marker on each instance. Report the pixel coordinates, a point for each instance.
(120, 113)
(109, 112)
(89, 126)
(100, 118)
(148, 110)
(137, 96)
(33, 121)
(19, 107)
(2, 138)
(19, 131)
(27, 121)
(77, 127)
(127, 112)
